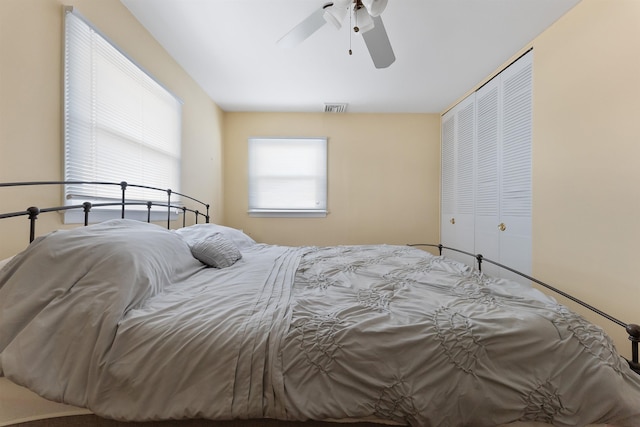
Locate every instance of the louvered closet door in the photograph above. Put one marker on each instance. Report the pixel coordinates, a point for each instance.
(486, 171)
(515, 165)
(457, 219)
(503, 171)
(487, 237)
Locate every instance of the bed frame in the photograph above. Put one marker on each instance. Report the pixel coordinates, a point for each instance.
(633, 330)
(32, 213)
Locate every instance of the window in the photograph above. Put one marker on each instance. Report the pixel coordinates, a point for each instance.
(288, 176)
(120, 124)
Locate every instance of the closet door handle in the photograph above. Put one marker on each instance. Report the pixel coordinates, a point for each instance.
(452, 220)
(502, 226)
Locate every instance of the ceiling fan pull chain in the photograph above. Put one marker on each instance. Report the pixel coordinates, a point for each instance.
(356, 6)
(350, 51)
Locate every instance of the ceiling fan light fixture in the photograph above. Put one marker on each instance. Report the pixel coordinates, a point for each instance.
(363, 20)
(375, 7)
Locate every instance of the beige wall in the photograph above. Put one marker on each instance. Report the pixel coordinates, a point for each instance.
(586, 183)
(384, 172)
(31, 105)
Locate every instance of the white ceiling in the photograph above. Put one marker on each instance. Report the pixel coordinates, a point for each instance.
(443, 49)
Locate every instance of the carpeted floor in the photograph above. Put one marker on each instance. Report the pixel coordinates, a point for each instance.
(20, 407)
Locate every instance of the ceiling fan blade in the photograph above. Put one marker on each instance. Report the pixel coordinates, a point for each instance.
(379, 45)
(375, 7)
(303, 30)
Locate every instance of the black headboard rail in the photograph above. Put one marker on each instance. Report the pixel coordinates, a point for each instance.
(632, 329)
(33, 211)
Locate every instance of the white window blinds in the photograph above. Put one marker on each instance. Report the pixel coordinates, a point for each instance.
(288, 176)
(119, 123)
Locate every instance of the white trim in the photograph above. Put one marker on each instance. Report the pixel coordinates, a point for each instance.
(76, 216)
(264, 213)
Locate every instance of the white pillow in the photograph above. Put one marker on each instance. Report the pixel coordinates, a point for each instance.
(194, 233)
(216, 251)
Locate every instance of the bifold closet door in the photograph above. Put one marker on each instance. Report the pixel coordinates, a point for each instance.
(457, 213)
(503, 171)
(487, 218)
(515, 165)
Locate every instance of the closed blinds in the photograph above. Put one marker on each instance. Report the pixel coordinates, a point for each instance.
(119, 123)
(288, 176)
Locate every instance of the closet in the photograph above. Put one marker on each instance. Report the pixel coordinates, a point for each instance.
(486, 171)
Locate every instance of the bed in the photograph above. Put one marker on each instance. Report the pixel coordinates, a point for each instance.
(137, 322)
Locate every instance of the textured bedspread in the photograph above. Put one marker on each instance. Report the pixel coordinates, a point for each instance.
(120, 318)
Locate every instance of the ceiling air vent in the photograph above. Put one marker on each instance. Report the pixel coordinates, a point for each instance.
(335, 108)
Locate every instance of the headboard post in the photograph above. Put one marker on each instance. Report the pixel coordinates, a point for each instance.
(479, 258)
(33, 215)
(634, 336)
(86, 206)
(123, 185)
(168, 208)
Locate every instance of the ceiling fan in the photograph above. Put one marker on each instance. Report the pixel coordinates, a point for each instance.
(366, 20)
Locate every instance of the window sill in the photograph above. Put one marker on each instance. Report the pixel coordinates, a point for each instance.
(76, 216)
(265, 213)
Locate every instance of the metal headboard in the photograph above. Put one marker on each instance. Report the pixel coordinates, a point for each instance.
(33, 211)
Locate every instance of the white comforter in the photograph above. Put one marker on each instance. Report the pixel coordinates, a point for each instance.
(120, 318)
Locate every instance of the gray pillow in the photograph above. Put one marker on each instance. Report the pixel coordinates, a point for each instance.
(216, 251)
